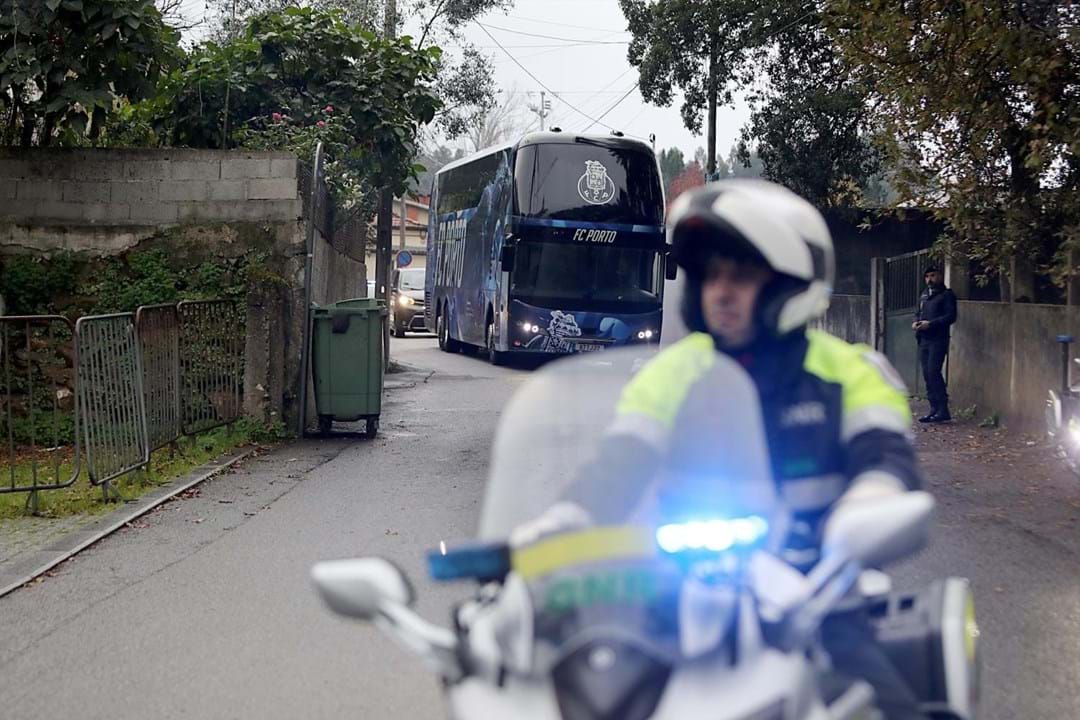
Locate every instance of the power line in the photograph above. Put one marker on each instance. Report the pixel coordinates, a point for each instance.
(543, 45)
(554, 37)
(603, 89)
(549, 22)
(538, 81)
(617, 103)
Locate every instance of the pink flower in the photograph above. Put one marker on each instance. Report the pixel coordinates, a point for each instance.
(320, 124)
(328, 109)
(276, 117)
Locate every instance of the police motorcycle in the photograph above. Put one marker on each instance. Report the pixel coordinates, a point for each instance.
(1063, 412)
(688, 611)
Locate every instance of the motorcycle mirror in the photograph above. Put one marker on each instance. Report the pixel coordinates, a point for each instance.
(877, 531)
(361, 587)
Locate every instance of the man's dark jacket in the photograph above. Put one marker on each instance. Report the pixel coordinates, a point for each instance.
(937, 305)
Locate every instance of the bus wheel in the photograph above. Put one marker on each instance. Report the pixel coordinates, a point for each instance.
(446, 343)
(494, 356)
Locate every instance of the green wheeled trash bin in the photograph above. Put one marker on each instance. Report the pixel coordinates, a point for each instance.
(347, 362)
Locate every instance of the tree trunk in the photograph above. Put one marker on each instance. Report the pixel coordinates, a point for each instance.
(710, 161)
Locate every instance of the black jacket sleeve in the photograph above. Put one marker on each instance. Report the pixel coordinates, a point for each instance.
(886, 451)
(948, 308)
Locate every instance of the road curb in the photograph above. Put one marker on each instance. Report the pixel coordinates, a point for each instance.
(78, 540)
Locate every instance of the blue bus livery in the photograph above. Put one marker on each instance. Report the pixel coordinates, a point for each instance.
(551, 244)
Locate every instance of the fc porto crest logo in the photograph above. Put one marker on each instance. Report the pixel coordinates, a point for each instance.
(595, 187)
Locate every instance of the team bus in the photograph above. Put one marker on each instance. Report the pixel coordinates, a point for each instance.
(550, 244)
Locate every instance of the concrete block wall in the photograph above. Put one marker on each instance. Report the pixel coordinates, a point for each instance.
(131, 188)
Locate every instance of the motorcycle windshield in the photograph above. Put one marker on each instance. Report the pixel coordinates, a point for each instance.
(552, 434)
(620, 582)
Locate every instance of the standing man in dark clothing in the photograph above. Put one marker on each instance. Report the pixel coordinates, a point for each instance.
(935, 315)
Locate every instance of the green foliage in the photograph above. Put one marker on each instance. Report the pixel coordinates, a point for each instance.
(672, 163)
(148, 278)
(296, 63)
(67, 64)
(809, 123)
(978, 110)
(40, 426)
(30, 283)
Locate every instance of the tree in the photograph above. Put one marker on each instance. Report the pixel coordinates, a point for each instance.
(498, 124)
(811, 124)
(67, 65)
(689, 45)
(672, 163)
(978, 109)
(433, 161)
(693, 176)
(300, 76)
(464, 82)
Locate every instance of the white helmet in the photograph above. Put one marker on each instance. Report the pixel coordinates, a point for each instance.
(763, 222)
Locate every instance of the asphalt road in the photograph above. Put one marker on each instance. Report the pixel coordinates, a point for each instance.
(205, 611)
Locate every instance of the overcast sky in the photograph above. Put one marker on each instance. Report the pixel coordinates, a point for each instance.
(583, 60)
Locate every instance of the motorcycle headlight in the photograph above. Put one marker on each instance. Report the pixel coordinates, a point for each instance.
(711, 535)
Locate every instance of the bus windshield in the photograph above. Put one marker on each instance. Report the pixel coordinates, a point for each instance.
(588, 181)
(591, 276)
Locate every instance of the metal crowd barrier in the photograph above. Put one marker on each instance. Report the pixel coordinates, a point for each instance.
(158, 330)
(115, 387)
(110, 385)
(37, 364)
(212, 364)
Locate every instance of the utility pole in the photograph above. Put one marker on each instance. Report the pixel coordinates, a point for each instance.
(228, 87)
(710, 161)
(403, 213)
(383, 235)
(543, 109)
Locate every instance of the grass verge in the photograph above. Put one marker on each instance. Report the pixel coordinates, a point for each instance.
(82, 498)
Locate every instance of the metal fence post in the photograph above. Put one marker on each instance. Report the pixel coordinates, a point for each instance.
(309, 244)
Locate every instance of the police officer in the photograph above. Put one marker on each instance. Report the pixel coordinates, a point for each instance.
(758, 264)
(934, 317)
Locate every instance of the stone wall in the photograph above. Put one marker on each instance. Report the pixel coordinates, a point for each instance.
(195, 205)
(105, 201)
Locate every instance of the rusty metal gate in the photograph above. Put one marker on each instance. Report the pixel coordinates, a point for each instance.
(110, 388)
(38, 421)
(158, 330)
(211, 364)
(903, 284)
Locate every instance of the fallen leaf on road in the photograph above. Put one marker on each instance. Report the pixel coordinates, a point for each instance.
(225, 502)
(138, 524)
(292, 459)
(249, 514)
(392, 532)
(197, 520)
(999, 589)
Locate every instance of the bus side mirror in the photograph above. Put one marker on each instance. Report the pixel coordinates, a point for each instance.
(671, 269)
(507, 258)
